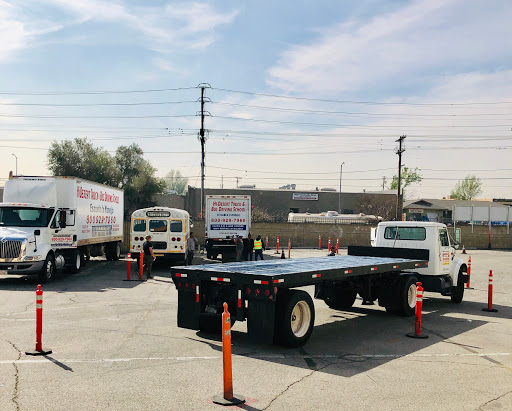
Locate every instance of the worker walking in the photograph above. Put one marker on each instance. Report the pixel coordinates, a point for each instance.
(258, 248)
(248, 248)
(149, 256)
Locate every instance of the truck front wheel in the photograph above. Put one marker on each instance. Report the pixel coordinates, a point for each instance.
(295, 317)
(458, 291)
(48, 270)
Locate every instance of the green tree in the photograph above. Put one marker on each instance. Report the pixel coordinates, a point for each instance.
(175, 181)
(127, 169)
(467, 189)
(408, 176)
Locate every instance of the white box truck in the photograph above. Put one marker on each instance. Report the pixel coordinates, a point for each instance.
(47, 223)
(227, 217)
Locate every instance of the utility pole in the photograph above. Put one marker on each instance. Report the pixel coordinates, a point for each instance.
(202, 140)
(222, 182)
(16, 163)
(339, 197)
(237, 181)
(399, 151)
(383, 182)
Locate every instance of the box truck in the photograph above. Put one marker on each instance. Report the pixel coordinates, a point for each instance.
(227, 217)
(47, 223)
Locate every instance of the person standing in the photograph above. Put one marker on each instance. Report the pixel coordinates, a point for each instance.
(191, 247)
(248, 248)
(239, 248)
(258, 248)
(149, 256)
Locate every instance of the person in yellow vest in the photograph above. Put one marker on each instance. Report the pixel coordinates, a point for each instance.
(258, 248)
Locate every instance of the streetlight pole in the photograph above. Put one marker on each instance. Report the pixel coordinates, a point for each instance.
(339, 199)
(16, 163)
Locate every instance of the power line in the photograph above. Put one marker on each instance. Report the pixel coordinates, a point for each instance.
(359, 102)
(67, 93)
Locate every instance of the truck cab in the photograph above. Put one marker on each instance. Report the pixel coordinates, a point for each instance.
(445, 271)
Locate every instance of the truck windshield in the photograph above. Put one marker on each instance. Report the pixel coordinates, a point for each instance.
(25, 217)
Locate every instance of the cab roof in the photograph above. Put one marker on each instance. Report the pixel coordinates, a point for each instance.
(412, 224)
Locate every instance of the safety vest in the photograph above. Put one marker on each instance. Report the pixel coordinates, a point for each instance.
(258, 244)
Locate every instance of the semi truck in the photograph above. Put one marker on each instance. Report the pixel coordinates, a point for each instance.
(48, 223)
(226, 218)
(265, 292)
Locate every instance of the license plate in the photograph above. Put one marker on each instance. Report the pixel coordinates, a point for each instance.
(3, 272)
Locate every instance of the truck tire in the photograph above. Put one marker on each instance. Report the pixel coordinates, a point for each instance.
(48, 270)
(77, 261)
(458, 291)
(113, 251)
(403, 301)
(117, 252)
(340, 298)
(295, 318)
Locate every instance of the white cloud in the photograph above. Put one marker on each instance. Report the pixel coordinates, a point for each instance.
(405, 45)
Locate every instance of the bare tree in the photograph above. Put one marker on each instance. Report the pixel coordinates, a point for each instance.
(378, 205)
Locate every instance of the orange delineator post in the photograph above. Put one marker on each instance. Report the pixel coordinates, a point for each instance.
(319, 242)
(329, 244)
(419, 305)
(489, 297)
(141, 264)
(228, 398)
(39, 325)
(129, 266)
(277, 246)
(266, 246)
(469, 272)
(289, 247)
(337, 246)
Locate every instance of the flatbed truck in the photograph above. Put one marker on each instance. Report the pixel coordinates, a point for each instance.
(264, 293)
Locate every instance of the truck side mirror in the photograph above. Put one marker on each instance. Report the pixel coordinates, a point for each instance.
(37, 232)
(62, 221)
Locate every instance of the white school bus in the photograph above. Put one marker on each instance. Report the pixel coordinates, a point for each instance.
(168, 227)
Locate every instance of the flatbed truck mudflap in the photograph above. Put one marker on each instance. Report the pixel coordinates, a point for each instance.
(261, 291)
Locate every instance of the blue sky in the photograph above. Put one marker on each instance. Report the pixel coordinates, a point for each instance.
(360, 74)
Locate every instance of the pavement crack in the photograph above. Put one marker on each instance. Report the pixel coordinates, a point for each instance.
(15, 398)
(294, 383)
(494, 399)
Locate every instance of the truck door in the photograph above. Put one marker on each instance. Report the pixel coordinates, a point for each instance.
(444, 252)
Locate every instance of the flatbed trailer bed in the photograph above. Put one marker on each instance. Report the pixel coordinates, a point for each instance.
(254, 289)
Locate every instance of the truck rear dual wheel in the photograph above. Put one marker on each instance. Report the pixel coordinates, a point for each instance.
(48, 270)
(295, 318)
(340, 298)
(458, 291)
(113, 251)
(77, 261)
(403, 301)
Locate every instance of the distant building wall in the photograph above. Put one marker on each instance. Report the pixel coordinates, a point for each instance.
(170, 200)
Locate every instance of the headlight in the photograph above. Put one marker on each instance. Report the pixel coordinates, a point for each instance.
(32, 258)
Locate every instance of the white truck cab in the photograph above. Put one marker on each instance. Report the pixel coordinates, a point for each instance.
(445, 272)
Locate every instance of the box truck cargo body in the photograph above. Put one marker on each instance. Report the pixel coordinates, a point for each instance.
(227, 217)
(47, 223)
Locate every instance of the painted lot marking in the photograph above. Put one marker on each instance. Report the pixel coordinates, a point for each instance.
(263, 356)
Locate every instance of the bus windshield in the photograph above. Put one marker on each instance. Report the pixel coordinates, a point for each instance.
(25, 216)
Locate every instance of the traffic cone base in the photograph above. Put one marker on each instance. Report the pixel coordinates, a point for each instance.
(490, 310)
(413, 335)
(237, 399)
(44, 351)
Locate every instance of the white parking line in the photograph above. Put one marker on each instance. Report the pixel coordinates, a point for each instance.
(263, 357)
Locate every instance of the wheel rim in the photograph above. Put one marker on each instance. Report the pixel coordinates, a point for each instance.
(49, 269)
(300, 319)
(118, 251)
(411, 295)
(77, 262)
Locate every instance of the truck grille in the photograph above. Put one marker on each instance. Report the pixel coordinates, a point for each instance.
(10, 248)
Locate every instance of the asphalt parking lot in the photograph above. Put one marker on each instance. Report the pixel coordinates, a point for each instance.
(116, 346)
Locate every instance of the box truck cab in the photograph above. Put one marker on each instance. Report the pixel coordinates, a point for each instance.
(47, 223)
(169, 229)
(445, 272)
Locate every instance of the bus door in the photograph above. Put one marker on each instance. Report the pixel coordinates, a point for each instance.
(158, 232)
